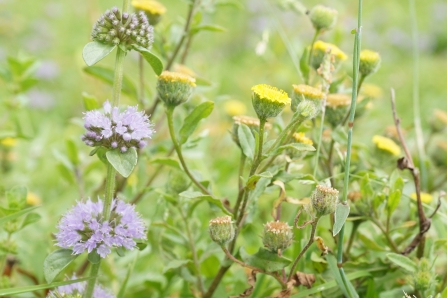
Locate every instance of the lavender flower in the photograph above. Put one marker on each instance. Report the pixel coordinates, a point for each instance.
(114, 129)
(77, 290)
(83, 228)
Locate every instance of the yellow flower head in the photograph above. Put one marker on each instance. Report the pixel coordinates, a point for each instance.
(150, 6)
(425, 197)
(320, 48)
(338, 100)
(386, 144)
(369, 62)
(234, 107)
(270, 93)
(174, 77)
(371, 91)
(8, 142)
(269, 101)
(308, 92)
(441, 116)
(174, 88)
(180, 68)
(33, 199)
(300, 137)
(249, 121)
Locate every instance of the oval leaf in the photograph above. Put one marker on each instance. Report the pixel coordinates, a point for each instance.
(402, 261)
(200, 112)
(247, 140)
(265, 260)
(341, 213)
(20, 290)
(153, 60)
(56, 262)
(95, 51)
(125, 162)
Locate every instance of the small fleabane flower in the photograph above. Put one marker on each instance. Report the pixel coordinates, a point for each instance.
(425, 197)
(277, 236)
(114, 129)
(269, 101)
(337, 107)
(221, 229)
(369, 62)
(319, 50)
(386, 144)
(323, 17)
(83, 228)
(300, 137)
(181, 68)
(154, 10)
(76, 290)
(234, 107)
(125, 29)
(251, 122)
(8, 142)
(175, 88)
(305, 92)
(324, 200)
(439, 122)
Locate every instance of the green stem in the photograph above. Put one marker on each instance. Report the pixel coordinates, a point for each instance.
(391, 243)
(241, 188)
(178, 149)
(356, 62)
(317, 156)
(355, 227)
(309, 59)
(91, 283)
(118, 78)
(141, 77)
(305, 248)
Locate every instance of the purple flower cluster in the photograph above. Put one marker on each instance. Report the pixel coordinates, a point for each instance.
(77, 289)
(84, 229)
(114, 129)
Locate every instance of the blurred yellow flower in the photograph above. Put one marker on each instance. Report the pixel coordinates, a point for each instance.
(133, 179)
(170, 76)
(184, 70)
(321, 46)
(425, 197)
(308, 92)
(441, 116)
(386, 144)
(249, 121)
(300, 137)
(33, 199)
(150, 6)
(8, 142)
(371, 91)
(234, 107)
(338, 100)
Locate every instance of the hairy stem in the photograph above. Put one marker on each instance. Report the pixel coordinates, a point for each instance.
(241, 187)
(317, 156)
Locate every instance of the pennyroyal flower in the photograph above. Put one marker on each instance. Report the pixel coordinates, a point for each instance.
(83, 228)
(77, 290)
(114, 129)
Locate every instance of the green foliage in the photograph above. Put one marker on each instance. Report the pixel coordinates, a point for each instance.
(56, 262)
(94, 52)
(123, 163)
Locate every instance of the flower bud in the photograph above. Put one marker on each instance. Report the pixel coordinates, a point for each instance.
(324, 200)
(337, 107)
(268, 101)
(323, 17)
(277, 236)
(252, 123)
(306, 109)
(319, 50)
(153, 10)
(174, 88)
(369, 62)
(221, 229)
(305, 92)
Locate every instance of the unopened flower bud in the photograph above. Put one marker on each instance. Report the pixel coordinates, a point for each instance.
(369, 62)
(306, 110)
(337, 107)
(221, 229)
(324, 200)
(323, 17)
(304, 92)
(268, 101)
(252, 123)
(277, 236)
(175, 88)
(319, 50)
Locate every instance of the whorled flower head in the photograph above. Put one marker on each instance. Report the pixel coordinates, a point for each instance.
(319, 50)
(154, 10)
(124, 29)
(305, 92)
(114, 129)
(221, 229)
(324, 200)
(323, 17)
(76, 290)
(83, 228)
(369, 62)
(175, 88)
(277, 235)
(269, 101)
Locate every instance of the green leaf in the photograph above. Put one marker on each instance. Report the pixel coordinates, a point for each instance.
(153, 60)
(253, 180)
(120, 250)
(94, 257)
(300, 147)
(200, 112)
(444, 293)
(247, 140)
(126, 279)
(14, 291)
(29, 219)
(265, 260)
(370, 243)
(199, 196)
(16, 196)
(210, 27)
(72, 151)
(174, 264)
(167, 162)
(125, 162)
(341, 213)
(95, 51)
(332, 262)
(393, 201)
(90, 102)
(402, 261)
(13, 216)
(304, 66)
(107, 75)
(56, 262)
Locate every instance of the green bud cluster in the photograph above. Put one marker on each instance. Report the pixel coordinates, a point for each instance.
(323, 17)
(174, 88)
(324, 200)
(423, 278)
(221, 230)
(125, 29)
(277, 236)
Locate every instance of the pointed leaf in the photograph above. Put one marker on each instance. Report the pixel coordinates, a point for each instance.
(174, 264)
(200, 112)
(125, 162)
(199, 196)
(29, 219)
(95, 51)
(56, 262)
(210, 27)
(332, 262)
(20, 290)
(265, 260)
(247, 140)
(90, 102)
(253, 180)
(304, 66)
(341, 213)
(13, 216)
(167, 161)
(300, 147)
(402, 261)
(153, 60)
